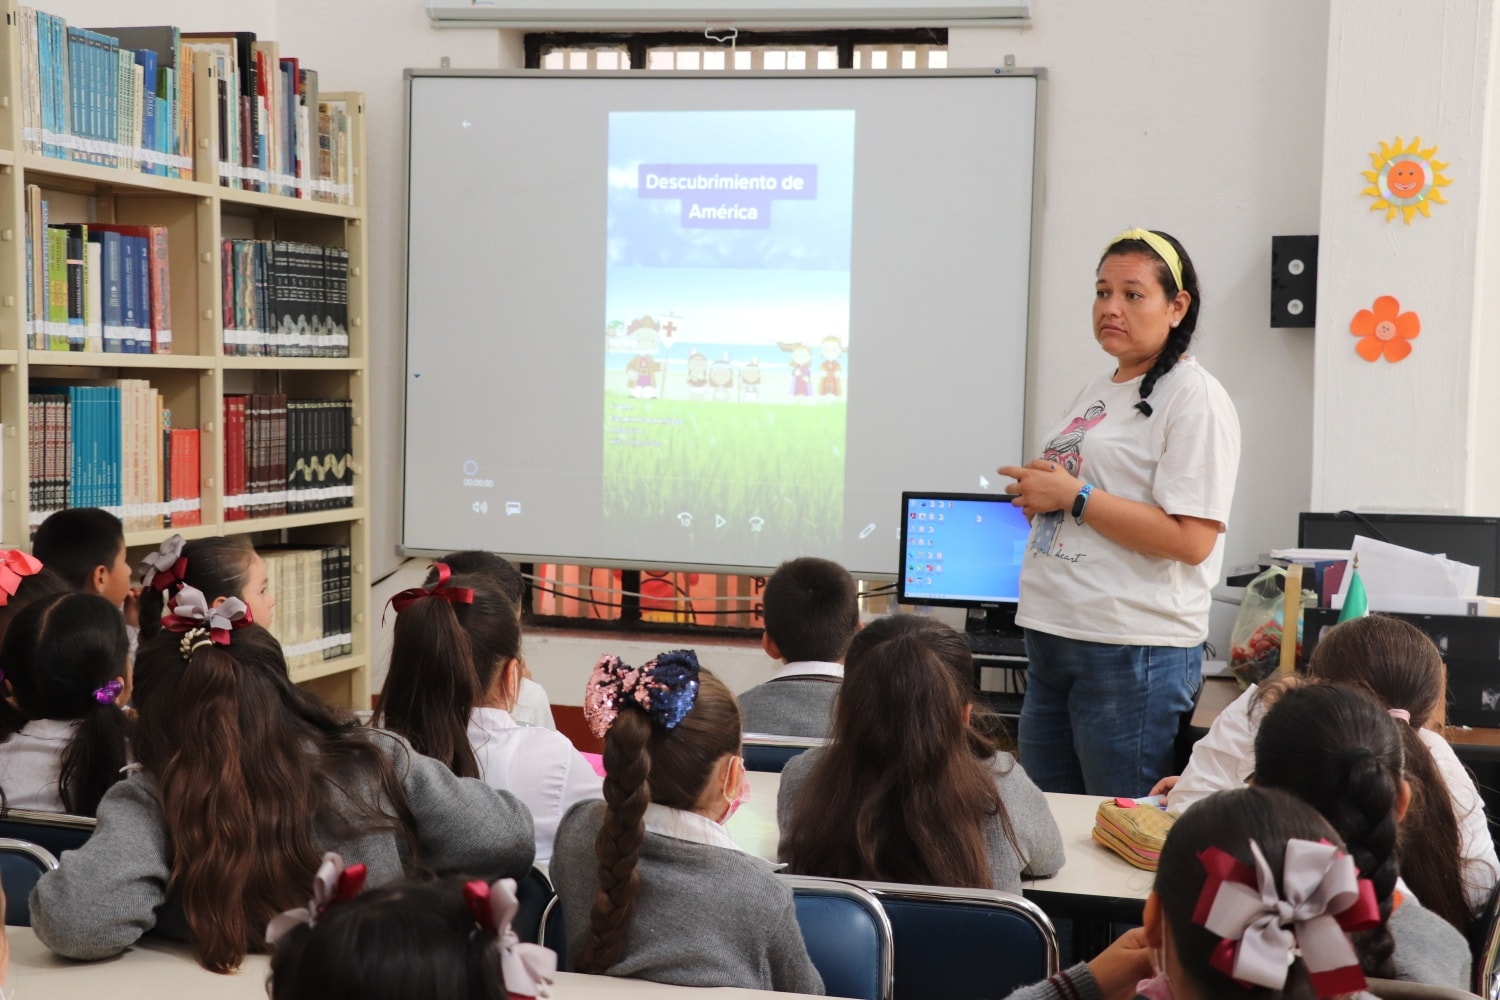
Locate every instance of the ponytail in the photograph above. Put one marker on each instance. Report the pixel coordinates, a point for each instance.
(1431, 855)
(627, 791)
(94, 758)
(1337, 749)
(449, 642)
(1181, 335)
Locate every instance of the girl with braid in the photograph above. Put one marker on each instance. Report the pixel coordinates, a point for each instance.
(651, 885)
(1342, 752)
(1128, 503)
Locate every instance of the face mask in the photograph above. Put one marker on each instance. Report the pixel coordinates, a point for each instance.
(738, 800)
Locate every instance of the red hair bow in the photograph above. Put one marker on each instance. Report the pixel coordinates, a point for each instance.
(440, 590)
(332, 884)
(190, 611)
(15, 566)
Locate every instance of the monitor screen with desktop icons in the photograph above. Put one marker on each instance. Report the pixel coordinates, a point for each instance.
(961, 549)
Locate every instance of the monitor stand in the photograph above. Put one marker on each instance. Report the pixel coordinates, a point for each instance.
(999, 620)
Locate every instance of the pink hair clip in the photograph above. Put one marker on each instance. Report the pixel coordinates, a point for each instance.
(528, 969)
(332, 884)
(110, 691)
(15, 566)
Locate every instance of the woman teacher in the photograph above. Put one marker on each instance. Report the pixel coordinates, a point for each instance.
(1128, 505)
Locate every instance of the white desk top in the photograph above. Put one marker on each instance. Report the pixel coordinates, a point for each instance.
(163, 971)
(1091, 869)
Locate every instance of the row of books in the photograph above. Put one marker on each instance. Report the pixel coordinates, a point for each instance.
(313, 588)
(95, 286)
(112, 445)
(125, 97)
(286, 456)
(285, 299)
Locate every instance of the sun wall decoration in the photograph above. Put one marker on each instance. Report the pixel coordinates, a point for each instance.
(1384, 331)
(1406, 179)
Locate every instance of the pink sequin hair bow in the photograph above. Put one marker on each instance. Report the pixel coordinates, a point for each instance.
(528, 969)
(665, 687)
(1262, 929)
(332, 884)
(166, 567)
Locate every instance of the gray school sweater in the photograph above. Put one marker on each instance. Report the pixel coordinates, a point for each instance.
(1037, 836)
(112, 890)
(796, 706)
(1428, 948)
(704, 915)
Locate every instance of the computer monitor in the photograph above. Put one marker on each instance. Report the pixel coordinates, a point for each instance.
(961, 550)
(1472, 540)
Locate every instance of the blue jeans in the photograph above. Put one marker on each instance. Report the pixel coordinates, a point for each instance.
(1100, 718)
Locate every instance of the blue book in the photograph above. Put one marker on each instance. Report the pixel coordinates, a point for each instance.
(130, 304)
(111, 289)
(141, 247)
(77, 104)
(44, 73)
(146, 59)
(109, 88)
(114, 481)
(83, 495)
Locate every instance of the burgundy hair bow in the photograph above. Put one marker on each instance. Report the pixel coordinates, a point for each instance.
(440, 590)
(190, 612)
(166, 567)
(332, 884)
(15, 566)
(528, 969)
(1262, 928)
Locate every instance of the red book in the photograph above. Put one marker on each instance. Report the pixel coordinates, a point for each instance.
(234, 458)
(185, 478)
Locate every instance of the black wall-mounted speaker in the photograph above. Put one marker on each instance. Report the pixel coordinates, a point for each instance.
(1294, 280)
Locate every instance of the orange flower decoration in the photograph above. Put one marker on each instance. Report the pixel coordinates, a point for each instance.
(1384, 330)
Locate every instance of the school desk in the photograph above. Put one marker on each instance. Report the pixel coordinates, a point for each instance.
(159, 970)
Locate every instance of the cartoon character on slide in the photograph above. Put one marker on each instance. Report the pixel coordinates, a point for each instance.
(831, 386)
(721, 379)
(801, 366)
(1067, 451)
(750, 381)
(641, 372)
(697, 375)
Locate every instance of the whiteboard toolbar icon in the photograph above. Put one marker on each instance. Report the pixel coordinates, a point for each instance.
(512, 508)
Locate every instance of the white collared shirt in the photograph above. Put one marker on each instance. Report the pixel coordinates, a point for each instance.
(31, 762)
(696, 828)
(808, 668)
(538, 766)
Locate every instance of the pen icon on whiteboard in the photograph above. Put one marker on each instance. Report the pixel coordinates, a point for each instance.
(867, 530)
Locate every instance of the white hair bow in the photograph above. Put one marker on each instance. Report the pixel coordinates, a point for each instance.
(528, 969)
(190, 612)
(333, 883)
(166, 566)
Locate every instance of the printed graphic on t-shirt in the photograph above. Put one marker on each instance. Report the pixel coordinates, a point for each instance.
(1066, 449)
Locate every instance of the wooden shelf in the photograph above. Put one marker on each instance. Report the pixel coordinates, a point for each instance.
(100, 359)
(281, 203)
(141, 539)
(341, 515)
(342, 664)
(233, 363)
(7, 158)
(38, 168)
(10, 357)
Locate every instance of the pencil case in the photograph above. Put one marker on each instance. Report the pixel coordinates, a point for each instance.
(1132, 829)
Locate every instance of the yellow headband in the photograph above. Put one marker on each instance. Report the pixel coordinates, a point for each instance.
(1163, 249)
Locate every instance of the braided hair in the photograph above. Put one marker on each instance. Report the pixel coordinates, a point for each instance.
(1180, 335)
(645, 763)
(1338, 750)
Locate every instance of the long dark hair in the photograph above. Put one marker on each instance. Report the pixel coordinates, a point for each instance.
(1399, 666)
(903, 791)
(1180, 335)
(43, 583)
(403, 940)
(644, 763)
(444, 657)
(1337, 749)
(252, 772)
(1229, 821)
(60, 653)
(218, 566)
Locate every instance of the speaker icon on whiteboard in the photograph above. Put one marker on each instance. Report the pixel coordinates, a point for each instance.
(481, 507)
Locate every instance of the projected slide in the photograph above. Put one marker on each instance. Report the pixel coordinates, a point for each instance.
(727, 356)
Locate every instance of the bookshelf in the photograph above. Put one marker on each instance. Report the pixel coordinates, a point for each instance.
(194, 379)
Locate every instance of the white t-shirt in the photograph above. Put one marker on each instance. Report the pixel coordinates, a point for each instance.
(1225, 758)
(538, 766)
(31, 763)
(1183, 458)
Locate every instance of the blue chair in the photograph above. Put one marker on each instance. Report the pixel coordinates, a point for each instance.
(964, 944)
(554, 935)
(533, 893)
(764, 752)
(54, 832)
(21, 864)
(848, 937)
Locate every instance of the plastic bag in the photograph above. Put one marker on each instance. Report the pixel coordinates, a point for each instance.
(1255, 643)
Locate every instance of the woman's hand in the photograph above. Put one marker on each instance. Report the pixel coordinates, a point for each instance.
(1165, 785)
(1042, 486)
